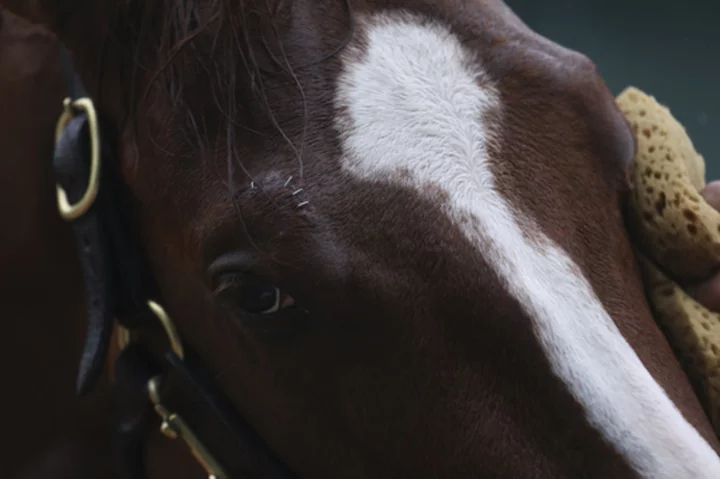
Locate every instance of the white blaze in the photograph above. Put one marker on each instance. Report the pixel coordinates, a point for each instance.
(413, 105)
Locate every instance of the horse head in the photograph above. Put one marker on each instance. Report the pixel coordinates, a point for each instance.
(393, 232)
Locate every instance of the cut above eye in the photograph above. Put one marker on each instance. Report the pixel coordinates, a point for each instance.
(252, 294)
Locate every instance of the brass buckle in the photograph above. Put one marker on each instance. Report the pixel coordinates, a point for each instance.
(67, 211)
(173, 425)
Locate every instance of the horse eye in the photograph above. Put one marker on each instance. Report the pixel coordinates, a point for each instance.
(253, 295)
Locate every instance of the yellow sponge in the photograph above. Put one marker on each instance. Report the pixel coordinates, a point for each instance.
(679, 236)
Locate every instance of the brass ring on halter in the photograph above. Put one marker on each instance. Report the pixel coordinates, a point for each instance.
(67, 211)
(170, 330)
(124, 335)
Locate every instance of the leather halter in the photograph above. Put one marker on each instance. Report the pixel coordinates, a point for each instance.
(119, 287)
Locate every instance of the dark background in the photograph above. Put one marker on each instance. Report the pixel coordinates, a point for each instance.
(668, 48)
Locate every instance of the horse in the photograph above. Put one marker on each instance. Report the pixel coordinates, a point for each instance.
(358, 216)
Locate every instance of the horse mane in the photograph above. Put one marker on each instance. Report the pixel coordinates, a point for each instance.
(207, 62)
(180, 51)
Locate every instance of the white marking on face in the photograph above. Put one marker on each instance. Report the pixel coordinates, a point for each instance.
(414, 106)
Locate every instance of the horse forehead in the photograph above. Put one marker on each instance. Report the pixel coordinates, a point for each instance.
(416, 106)
(416, 109)
(429, 95)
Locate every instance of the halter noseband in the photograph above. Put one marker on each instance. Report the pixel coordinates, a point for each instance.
(119, 287)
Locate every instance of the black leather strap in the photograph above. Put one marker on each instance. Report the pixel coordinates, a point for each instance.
(72, 80)
(116, 276)
(218, 424)
(133, 412)
(71, 164)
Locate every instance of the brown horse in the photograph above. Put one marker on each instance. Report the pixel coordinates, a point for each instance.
(393, 175)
